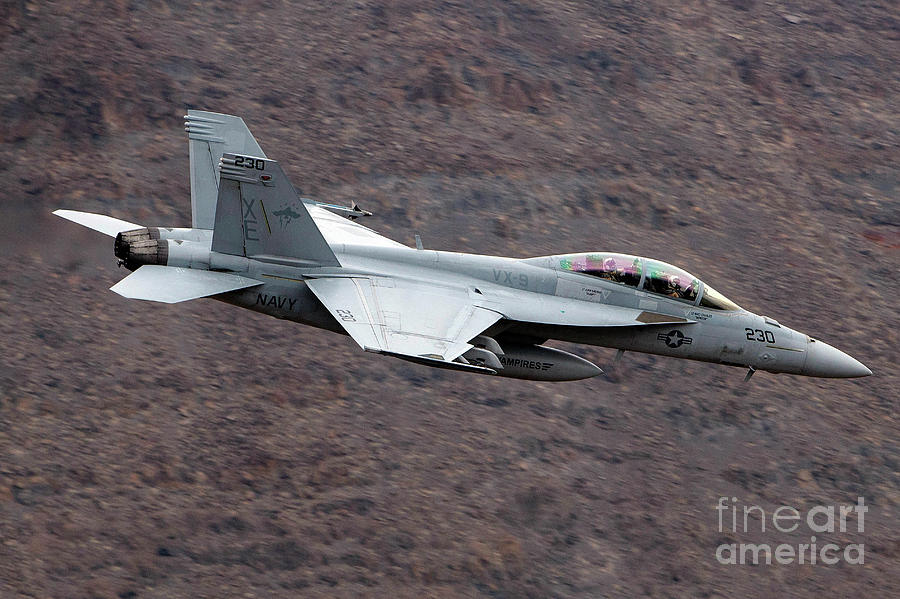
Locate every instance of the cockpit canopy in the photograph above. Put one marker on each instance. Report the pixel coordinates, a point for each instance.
(650, 275)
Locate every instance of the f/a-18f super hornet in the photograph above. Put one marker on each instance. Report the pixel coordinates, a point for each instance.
(256, 244)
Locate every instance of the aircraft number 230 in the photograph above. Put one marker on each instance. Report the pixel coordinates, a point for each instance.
(251, 163)
(760, 335)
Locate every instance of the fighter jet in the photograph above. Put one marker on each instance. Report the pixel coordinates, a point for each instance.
(256, 244)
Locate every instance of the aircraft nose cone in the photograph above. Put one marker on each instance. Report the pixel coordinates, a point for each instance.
(826, 361)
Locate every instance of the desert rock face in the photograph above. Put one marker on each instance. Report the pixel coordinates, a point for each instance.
(197, 450)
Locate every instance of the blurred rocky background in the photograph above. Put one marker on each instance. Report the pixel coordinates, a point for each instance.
(197, 450)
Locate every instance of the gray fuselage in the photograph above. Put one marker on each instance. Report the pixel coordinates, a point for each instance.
(733, 337)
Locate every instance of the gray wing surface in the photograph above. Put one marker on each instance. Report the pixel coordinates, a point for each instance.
(402, 317)
(171, 284)
(339, 230)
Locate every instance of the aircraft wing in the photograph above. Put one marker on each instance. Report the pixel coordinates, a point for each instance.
(404, 318)
(339, 230)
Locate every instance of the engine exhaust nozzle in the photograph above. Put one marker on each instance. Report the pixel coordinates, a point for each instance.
(140, 246)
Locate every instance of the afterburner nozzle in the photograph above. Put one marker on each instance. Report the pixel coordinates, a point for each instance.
(126, 238)
(141, 246)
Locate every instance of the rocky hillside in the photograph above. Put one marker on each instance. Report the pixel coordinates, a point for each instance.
(197, 450)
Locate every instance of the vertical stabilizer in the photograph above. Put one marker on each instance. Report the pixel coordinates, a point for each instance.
(211, 135)
(258, 213)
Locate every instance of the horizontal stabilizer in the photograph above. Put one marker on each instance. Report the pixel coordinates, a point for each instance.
(98, 222)
(170, 284)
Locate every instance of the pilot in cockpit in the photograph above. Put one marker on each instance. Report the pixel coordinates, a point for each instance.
(612, 272)
(672, 286)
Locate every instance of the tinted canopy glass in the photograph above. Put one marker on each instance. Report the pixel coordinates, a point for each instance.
(713, 299)
(654, 276)
(618, 268)
(667, 280)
